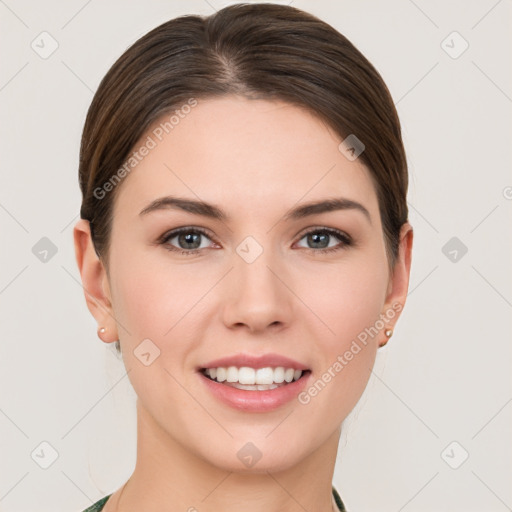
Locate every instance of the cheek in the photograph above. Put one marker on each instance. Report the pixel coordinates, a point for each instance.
(150, 300)
(347, 298)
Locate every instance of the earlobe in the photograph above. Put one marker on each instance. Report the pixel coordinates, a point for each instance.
(94, 280)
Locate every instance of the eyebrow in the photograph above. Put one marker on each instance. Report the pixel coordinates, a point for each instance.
(214, 212)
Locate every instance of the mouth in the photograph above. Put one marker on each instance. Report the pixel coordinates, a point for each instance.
(254, 383)
(254, 379)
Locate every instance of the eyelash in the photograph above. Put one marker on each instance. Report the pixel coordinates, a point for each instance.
(342, 237)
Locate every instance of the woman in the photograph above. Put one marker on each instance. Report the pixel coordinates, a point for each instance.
(244, 240)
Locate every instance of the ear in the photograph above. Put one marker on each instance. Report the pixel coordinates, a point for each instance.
(399, 279)
(94, 281)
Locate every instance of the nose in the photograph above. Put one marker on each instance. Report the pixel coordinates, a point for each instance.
(256, 295)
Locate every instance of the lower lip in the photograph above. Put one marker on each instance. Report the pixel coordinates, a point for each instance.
(256, 401)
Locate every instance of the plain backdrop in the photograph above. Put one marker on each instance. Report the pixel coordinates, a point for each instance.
(432, 430)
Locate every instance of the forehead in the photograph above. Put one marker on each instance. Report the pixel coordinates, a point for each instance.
(243, 154)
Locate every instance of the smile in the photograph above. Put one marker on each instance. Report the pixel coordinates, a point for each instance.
(253, 379)
(254, 390)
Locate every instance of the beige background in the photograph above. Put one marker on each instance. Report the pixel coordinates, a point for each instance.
(445, 375)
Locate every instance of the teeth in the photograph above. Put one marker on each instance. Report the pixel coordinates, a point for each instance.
(251, 377)
(221, 374)
(279, 375)
(232, 374)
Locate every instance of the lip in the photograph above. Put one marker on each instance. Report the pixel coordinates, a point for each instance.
(256, 362)
(255, 401)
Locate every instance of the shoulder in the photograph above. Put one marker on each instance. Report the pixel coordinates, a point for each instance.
(338, 501)
(96, 507)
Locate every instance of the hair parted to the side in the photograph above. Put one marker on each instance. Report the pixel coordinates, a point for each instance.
(262, 51)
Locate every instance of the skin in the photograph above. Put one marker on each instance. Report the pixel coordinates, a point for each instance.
(255, 159)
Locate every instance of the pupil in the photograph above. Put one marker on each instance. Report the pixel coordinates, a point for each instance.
(318, 238)
(189, 239)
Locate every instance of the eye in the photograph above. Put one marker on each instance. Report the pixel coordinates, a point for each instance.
(188, 240)
(320, 238)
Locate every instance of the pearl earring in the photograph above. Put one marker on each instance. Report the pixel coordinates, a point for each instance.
(388, 333)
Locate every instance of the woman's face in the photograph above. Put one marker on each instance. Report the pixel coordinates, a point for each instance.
(258, 282)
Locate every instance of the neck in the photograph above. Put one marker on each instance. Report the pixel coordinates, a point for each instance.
(168, 476)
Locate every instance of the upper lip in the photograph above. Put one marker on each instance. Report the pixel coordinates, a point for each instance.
(252, 361)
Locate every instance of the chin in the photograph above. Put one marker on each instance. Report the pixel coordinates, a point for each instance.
(258, 455)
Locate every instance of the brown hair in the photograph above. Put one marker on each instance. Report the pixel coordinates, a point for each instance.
(259, 51)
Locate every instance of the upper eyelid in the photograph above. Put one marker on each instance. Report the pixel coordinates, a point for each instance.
(168, 235)
(323, 228)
